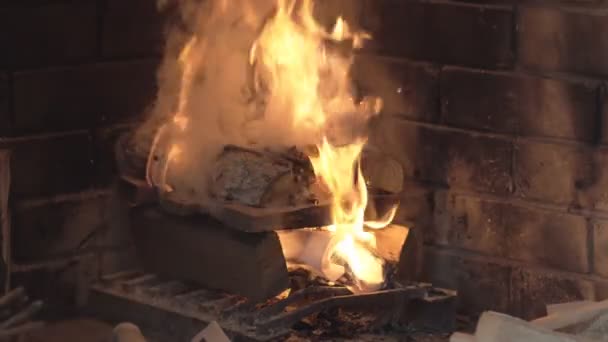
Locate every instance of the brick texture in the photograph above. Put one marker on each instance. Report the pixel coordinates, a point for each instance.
(555, 39)
(44, 167)
(492, 285)
(407, 89)
(132, 28)
(481, 285)
(55, 229)
(452, 33)
(81, 97)
(600, 247)
(555, 173)
(4, 103)
(53, 33)
(532, 291)
(47, 230)
(518, 104)
(514, 232)
(105, 161)
(459, 160)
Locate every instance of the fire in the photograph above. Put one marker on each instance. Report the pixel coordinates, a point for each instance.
(311, 83)
(301, 69)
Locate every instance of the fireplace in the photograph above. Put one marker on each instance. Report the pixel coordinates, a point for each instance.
(494, 114)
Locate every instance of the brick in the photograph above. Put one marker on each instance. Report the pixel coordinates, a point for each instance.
(597, 191)
(407, 89)
(5, 116)
(557, 240)
(55, 229)
(533, 290)
(470, 224)
(517, 104)
(132, 28)
(48, 166)
(481, 284)
(105, 159)
(459, 160)
(119, 260)
(563, 40)
(81, 97)
(554, 173)
(48, 34)
(601, 290)
(600, 247)
(416, 206)
(469, 35)
(512, 231)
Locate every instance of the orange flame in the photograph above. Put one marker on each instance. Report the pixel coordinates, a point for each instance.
(311, 83)
(307, 88)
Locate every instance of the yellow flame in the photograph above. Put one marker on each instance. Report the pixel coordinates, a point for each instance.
(307, 86)
(311, 84)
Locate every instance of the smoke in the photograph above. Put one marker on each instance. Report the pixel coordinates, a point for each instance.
(207, 76)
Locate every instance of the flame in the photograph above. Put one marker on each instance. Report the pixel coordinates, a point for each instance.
(311, 83)
(304, 78)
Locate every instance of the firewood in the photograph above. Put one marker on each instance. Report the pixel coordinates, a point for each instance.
(570, 318)
(127, 332)
(201, 250)
(212, 333)
(496, 327)
(565, 307)
(462, 337)
(262, 179)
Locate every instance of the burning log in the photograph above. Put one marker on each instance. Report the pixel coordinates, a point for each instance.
(263, 179)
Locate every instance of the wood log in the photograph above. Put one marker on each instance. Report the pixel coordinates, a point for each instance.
(127, 332)
(201, 250)
(212, 333)
(462, 337)
(264, 179)
(565, 319)
(496, 327)
(565, 307)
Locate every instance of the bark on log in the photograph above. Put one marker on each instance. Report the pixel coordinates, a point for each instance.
(201, 250)
(262, 179)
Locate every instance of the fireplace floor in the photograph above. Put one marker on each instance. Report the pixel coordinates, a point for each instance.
(179, 311)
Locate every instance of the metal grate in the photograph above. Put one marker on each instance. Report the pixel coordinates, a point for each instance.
(184, 308)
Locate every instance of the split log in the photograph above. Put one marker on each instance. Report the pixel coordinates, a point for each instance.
(566, 307)
(596, 329)
(569, 319)
(212, 333)
(496, 327)
(263, 179)
(461, 337)
(127, 332)
(201, 250)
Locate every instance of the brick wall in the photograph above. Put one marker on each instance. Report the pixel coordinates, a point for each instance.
(496, 111)
(73, 75)
(498, 114)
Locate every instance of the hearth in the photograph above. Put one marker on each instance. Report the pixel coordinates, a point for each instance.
(320, 311)
(202, 267)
